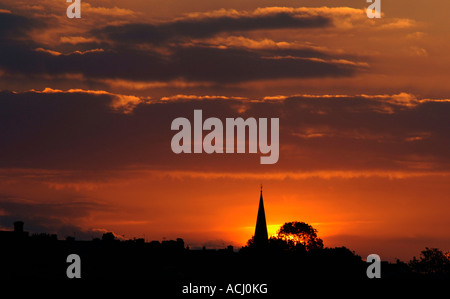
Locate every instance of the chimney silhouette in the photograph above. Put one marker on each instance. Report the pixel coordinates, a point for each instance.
(261, 237)
(18, 227)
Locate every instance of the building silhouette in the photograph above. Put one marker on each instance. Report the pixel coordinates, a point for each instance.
(261, 238)
(16, 235)
(43, 256)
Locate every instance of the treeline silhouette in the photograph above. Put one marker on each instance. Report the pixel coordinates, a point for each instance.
(284, 258)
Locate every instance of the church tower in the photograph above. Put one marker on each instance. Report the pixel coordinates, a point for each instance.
(261, 237)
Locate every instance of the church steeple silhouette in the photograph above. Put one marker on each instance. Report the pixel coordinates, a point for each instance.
(261, 237)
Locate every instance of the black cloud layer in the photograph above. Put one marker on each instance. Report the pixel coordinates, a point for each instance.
(80, 131)
(207, 27)
(18, 56)
(54, 218)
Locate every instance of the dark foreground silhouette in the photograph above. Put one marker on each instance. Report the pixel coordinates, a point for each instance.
(43, 256)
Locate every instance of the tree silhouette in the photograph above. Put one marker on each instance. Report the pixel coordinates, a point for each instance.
(299, 234)
(274, 244)
(432, 261)
(251, 242)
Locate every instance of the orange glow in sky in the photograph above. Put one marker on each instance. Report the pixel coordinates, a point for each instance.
(86, 107)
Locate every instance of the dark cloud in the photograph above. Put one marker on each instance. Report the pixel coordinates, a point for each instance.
(14, 26)
(82, 131)
(190, 63)
(54, 217)
(206, 26)
(25, 57)
(237, 65)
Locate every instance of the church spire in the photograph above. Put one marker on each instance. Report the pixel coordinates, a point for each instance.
(261, 236)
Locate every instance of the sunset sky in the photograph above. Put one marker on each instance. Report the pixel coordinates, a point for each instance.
(86, 107)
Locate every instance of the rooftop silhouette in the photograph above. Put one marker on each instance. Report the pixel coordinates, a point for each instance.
(44, 256)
